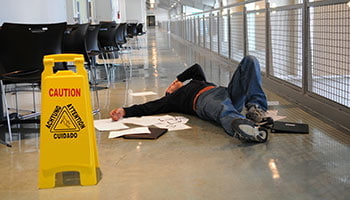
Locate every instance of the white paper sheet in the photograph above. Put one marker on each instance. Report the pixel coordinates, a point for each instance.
(273, 103)
(146, 93)
(274, 115)
(173, 127)
(162, 121)
(138, 130)
(169, 122)
(109, 124)
(141, 121)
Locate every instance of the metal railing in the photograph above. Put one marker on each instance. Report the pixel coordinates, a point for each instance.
(303, 45)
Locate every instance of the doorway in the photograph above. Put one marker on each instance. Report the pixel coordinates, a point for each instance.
(151, 20)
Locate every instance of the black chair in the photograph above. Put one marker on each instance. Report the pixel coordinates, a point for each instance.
(121, 35)
(132, 30)
(94, 49)
(111, 37)
(132, 33)
(121, 38)
(139, 29)
(107, 39)
(22, 49)
(74, 41)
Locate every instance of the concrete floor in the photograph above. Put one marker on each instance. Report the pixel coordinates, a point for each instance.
(198, 163)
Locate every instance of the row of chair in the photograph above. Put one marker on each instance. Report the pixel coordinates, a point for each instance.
(23, 46)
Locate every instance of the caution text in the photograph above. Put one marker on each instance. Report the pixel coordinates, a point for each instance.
(65, 92)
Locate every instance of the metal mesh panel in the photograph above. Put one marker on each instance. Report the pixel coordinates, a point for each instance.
(237, 39)
(196, 31)
(286, 39)
(188, 29)
(223, 31)
(175, 28)
(214, 33)
(172, 27)
(201, 32)
(330, 44)
(257, 37)
(207, 34)
(182, 28)
(193, 30)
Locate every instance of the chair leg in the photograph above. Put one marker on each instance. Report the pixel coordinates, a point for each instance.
(94, 86)
(107, 72)
(6, 109)
(16, 97)
(97, 110)
(92, 69)
(109, 64)
(34, 102)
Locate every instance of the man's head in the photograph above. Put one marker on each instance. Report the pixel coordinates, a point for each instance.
(173, 87)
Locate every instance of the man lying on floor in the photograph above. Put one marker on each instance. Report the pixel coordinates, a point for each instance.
(222, 105)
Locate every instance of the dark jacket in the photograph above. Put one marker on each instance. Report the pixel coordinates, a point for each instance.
(180, 101)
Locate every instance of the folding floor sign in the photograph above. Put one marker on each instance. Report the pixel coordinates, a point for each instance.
(67, 133)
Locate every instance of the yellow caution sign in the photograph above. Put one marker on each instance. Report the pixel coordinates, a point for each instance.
(67, 134)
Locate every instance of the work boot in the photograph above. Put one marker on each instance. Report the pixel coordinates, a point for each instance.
(246, 130)
(255, 113)
(258, 116)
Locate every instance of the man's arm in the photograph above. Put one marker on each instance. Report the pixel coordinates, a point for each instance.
(117, 114)
(150, 108)
(194, 72)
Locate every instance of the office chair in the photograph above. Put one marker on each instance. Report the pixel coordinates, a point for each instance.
(107, 39)
(22, 49)
(74, 41)
(94, 50)
(139, 29)
(132, 33)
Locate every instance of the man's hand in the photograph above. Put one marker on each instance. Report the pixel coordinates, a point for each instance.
(176, 84)
(117, 114)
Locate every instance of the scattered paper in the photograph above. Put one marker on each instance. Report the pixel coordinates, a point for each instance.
(163, 120)
(273, 103)
(274, 115)
(146, 93)
(109, 124)
(173, 127)
(138, 130)
(172, 123)
(141, 121)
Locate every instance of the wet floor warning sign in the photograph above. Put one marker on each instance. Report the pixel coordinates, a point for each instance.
(67, 134)
(65, 122)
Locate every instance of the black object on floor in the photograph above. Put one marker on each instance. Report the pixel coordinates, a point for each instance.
(155, 133)
(289, 127)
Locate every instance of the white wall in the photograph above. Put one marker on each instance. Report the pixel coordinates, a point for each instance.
(51, 11)
(104, 10)
(135, 11)
(75, 14)
(122, 12)
(32, 11)
(161, 15)
(107, 10)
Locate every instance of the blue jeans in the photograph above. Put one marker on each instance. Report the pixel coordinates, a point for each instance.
(222, 104)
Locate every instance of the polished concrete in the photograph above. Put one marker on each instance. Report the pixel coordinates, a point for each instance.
(198, 163)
